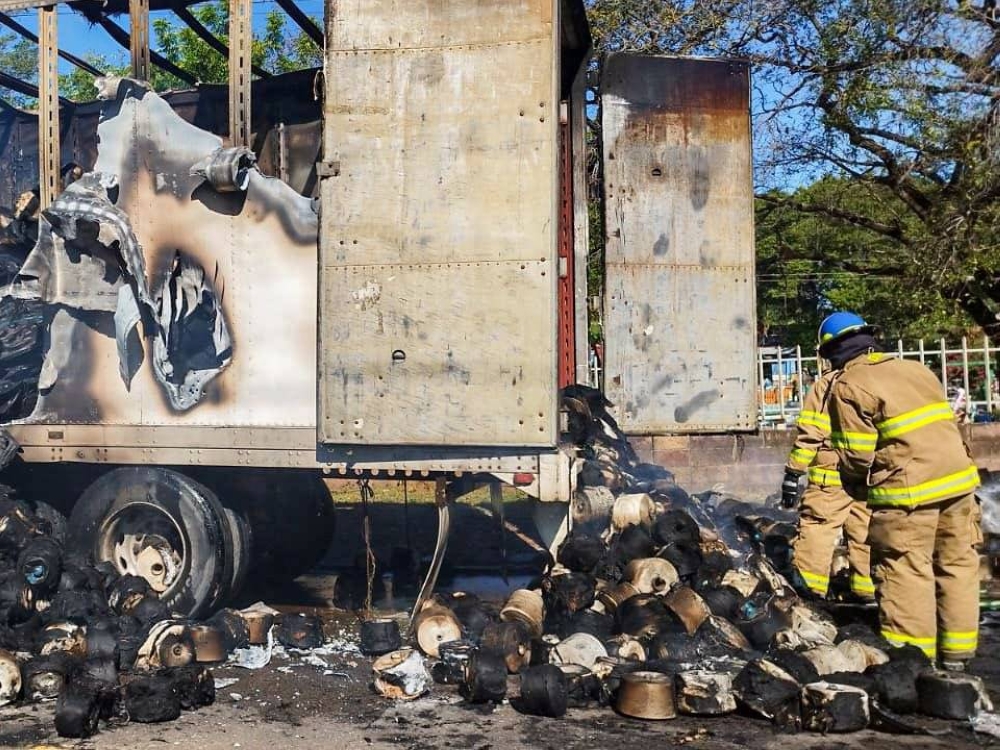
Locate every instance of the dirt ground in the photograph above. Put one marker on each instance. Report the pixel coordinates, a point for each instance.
(327, 701)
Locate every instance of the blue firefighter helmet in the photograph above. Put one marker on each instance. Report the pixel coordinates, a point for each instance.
(839, 324)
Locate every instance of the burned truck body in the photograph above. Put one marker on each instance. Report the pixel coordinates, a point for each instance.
(385, 280)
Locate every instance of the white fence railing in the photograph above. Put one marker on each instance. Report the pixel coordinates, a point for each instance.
(967, 373)
(784, 374)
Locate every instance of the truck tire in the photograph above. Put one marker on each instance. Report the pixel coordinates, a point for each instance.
(294, 529)
(239, 529)
(164, 526)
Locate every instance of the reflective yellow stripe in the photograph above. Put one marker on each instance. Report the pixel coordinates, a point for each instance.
(855, 441)
(803, 455)
(926, 645)
(815, 582)
(950, 486)
(815, 419)
(959, 641)
(825, 477)
(862, 584)
(915, 419)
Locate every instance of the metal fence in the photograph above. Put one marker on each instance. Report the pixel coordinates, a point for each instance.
(967, 373)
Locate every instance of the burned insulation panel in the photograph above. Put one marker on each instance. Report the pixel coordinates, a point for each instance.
(680, 326)
(162, 266)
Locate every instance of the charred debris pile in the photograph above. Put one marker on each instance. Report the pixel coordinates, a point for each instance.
(103, 646)
(662, 603)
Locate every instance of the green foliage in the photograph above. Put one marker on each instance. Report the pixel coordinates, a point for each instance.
(809, 265)
(877, 134)
(78, 85)
(275, 49)
(18, 58)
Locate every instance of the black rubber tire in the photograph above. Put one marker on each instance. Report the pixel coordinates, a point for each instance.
(242, 546)
(292, 517)
(207, 571)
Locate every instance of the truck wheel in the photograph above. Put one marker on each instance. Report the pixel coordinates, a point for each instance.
(163, 526)
(293, 523)
(239, 530)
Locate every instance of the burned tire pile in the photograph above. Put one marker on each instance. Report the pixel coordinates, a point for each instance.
(660, 604)
(101, 645)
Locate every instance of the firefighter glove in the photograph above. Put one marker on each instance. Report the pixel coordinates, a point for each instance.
(790, 490)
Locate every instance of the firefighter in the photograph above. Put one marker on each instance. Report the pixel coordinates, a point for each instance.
(826, 508)
(899, 446)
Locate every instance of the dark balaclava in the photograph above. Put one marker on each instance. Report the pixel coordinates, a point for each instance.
(843, 350)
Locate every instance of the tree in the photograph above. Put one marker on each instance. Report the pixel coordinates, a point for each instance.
(898, 100)
(808, 266)
(275, 49)
(18, 58)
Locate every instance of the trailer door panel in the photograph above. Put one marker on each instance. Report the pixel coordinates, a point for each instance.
(438, 229)
(680, 331)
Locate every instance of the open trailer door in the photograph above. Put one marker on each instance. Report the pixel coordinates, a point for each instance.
(439, 196)
(679, 325)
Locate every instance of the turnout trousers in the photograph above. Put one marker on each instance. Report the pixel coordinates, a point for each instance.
(925, 564)
(825, 511)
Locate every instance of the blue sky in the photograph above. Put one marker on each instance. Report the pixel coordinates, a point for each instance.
(80, 38)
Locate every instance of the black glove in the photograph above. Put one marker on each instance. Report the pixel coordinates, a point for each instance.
(790, 490)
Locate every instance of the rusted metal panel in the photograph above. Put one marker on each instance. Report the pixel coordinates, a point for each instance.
(138, 11)
(48, 105)
(240, 41)
(679, 301)
(439, 217)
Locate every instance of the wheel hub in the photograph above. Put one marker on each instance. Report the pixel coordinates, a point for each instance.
(142, 540)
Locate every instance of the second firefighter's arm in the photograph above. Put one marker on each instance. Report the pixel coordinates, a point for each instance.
(812, 429)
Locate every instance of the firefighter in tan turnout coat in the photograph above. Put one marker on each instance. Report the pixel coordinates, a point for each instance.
(899, 445)
(826, 509)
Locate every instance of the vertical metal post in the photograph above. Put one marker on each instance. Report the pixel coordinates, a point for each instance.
(899, 346)
(240, 42)
(781, 386)
(761, 386)
(921, 352)
(989, 375)
(138, 16)
(965, 376)
(282, 153)
(944, 366)
(48, 106)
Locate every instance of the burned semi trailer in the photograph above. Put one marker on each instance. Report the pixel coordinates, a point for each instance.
(374, 272)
